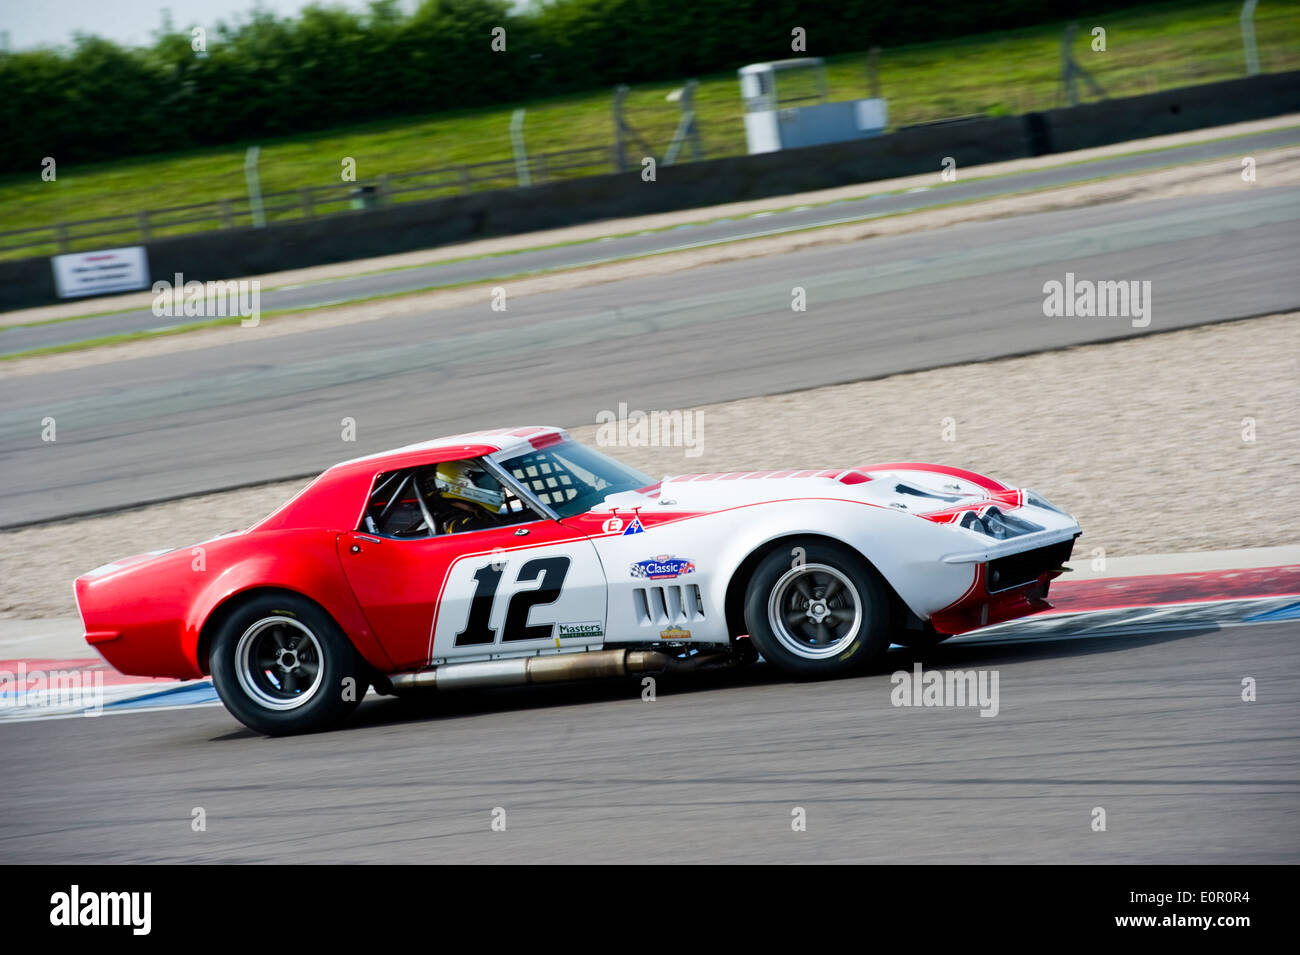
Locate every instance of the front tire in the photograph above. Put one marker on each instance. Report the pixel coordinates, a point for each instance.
(281, 665)
(823, 614)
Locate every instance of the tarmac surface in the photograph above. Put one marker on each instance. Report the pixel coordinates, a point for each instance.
(1145, 722)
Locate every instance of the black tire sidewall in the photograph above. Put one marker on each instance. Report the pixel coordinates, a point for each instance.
(873, 635)
(340, 662)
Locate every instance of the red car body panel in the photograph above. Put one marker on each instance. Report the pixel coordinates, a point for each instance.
(980, 608)
(400, 583)
(337, 498)
(146, 614)
(159, 610)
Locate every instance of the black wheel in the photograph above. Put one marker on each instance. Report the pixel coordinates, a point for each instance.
(282, 665)
(822, 614)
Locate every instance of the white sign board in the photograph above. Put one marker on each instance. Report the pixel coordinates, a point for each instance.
(106, 270)
(872, 115)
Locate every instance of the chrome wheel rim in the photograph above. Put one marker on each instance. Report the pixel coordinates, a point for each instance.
(279, 663)
(815, 611)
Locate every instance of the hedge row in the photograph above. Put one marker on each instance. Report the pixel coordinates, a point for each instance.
(267, 76)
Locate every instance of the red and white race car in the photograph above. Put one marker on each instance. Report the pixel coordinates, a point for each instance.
(521, 556)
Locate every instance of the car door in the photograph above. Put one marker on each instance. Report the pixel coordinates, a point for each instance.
(530, 587)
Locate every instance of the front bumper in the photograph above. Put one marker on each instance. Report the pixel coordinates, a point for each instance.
(1006, 587)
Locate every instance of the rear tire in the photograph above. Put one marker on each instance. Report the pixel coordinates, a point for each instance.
(281, 665)
(824, 614)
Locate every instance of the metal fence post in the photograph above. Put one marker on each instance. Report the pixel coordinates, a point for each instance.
(1248, 36)
(1071, 71)
(687, 129)
(520, 150)
(620, 155)
(1068, 88)
(254, 186)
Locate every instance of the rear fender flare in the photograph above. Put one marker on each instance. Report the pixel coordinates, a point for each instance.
(311, 570)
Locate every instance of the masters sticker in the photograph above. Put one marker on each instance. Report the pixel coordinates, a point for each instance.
(674, 633)
(567, 631)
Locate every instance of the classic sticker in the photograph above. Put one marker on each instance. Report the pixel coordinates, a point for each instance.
(663, 567)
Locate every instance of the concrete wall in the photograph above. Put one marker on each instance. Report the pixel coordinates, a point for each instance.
(1172, 111)
(420, 225)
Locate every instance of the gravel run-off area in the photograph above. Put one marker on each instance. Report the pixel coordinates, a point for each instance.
(1183, 441)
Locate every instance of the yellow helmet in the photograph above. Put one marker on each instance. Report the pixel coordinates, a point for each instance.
(455, 482)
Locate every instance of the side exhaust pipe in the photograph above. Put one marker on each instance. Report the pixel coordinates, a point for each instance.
(553, 668)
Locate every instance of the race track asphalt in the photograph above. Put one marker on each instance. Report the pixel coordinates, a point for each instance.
(1148, 725)
(578, 255)
(134, 431)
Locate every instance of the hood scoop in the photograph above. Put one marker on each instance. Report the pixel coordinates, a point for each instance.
(901, 488)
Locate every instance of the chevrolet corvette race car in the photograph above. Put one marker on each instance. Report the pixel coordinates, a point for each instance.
(520, 556)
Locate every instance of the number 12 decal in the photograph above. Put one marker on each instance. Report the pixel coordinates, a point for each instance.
(478, 628)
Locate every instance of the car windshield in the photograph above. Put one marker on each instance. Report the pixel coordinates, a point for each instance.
(571, 478)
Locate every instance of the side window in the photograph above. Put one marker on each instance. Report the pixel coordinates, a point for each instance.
(393, 509)
(452, 497)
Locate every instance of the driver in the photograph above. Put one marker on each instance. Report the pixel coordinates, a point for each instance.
(470, 498)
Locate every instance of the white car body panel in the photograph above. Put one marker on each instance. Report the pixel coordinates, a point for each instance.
(725, 519)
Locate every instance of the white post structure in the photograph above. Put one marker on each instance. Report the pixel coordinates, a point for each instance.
(521, 151)
(254, 187)
(1248, 36)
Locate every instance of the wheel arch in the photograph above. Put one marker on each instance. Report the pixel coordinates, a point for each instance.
(304, 563)
(734, 602)
(220, 613)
